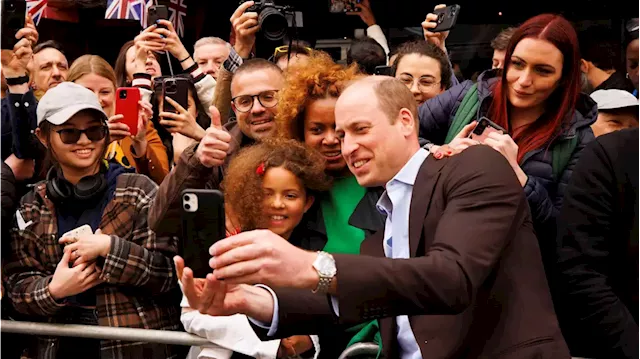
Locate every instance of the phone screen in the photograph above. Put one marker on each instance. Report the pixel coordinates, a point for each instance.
(338, 6)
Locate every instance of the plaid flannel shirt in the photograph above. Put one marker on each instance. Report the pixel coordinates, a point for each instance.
(140, 287)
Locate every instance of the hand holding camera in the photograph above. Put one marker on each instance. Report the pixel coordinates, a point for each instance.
(170, 39)
(437, 24)
(245, 26)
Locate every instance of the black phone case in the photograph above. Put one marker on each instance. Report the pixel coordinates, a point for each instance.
(180, 96)
(480, 127)
(447, 18)
(384, 70)
(155, 13)
(201, 229)
(13, 14)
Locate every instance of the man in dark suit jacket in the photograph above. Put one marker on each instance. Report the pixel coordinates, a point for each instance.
(464, 279)
(597, 292)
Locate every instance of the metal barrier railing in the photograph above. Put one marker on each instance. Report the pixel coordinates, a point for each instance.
(369, 349)
(136, 335)
(99, 332)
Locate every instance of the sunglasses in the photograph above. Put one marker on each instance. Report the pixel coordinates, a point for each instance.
(70, 136)
(285, 49)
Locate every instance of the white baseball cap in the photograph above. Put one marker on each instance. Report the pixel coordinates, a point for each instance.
(62, 102)
(613, 99)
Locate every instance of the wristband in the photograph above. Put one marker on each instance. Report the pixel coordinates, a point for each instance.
(12, 81)
(185, 59)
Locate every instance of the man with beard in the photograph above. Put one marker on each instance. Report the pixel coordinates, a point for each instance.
(254, 100)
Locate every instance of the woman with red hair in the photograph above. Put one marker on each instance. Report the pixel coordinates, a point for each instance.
(536, 100)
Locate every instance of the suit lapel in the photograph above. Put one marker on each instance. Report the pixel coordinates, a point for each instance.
(421, 198)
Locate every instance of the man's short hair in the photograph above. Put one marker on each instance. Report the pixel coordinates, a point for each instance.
(393, 96)
(368, 54)
(428, 49)
(599, 45)
(210, 40)
(501, 41)
(49, 44)
(256, 64)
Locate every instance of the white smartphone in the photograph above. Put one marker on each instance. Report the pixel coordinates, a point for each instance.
(79, 232)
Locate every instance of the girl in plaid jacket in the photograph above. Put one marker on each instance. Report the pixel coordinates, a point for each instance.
(118, 273)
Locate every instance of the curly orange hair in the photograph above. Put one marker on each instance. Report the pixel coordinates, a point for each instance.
(320, 77)
(243, 183)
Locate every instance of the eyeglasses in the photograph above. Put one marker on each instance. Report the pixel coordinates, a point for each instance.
(424, 83)
(285, 49)
(244, 103)
(70, 136)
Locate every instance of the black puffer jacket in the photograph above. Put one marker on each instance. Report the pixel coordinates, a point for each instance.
(544, 194)
(10, 199)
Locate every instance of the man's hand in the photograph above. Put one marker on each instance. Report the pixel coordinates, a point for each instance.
(365, 13)
(217, 298)
(245, 26)
(212, 150)
(294, 346)
(263, 257)
(22, 169)
(14, 63)
(436, 38)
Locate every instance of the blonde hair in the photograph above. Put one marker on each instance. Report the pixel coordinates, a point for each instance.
(91, 64)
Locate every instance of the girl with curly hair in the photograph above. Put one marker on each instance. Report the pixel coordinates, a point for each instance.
(346, 213)
(270, 186)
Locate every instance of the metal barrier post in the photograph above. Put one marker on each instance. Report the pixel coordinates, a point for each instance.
(99, 332)
(360, 349)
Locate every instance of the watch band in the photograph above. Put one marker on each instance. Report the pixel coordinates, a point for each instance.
(12, 81)
(323, 284)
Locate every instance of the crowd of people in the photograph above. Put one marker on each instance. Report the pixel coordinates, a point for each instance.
(358, 207)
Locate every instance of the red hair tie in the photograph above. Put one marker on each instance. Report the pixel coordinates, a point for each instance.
(260, 169)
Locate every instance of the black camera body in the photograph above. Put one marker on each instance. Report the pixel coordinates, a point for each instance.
(272, 18)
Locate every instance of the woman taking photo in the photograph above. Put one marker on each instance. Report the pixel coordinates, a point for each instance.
(536, 100)
(144, 151)
(116, 272)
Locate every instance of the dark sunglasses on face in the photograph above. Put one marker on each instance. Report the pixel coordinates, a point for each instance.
(70, 136)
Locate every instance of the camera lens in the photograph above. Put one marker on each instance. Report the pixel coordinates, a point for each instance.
(187, 206)
(273, 23)
(123, 94)
(187, 198)
(440, 17)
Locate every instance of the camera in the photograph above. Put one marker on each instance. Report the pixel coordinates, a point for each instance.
(271, 18)
(123, 94)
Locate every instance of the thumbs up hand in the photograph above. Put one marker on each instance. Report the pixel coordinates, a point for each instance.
(212, 150)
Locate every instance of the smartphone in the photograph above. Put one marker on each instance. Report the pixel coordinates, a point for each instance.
(447, 18)
(340, 6)
(383, 70)
(13, 15)
(178, 89)
(202, 226)
(127, 99)
(483, 128)
(79, 232)
(155, 13)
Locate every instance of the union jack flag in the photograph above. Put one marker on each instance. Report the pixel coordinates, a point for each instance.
(177, 13)
(36, 9)
(128, 9)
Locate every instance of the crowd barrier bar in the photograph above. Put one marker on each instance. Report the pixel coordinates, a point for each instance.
(370, 349)
(100, 332)
(137, 335)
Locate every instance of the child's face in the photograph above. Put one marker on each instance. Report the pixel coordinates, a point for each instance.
(285, 201)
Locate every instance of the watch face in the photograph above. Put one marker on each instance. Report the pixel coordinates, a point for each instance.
(325, 265)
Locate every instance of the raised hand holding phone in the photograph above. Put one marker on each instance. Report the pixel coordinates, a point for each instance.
(127, 99)
(434, 31)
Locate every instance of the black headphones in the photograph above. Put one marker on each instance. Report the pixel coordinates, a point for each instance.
(88, 188)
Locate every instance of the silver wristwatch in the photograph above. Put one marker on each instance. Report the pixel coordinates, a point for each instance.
(325, 265)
